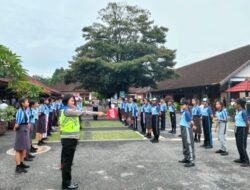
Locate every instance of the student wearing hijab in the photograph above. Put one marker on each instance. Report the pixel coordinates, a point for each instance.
(207, 116)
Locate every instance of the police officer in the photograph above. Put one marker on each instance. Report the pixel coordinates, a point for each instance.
(155, 120)
(241, 132)
(70, 133)
(163, 108)
(207, 116)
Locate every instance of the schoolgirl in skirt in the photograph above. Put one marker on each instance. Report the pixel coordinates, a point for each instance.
(22, 138)
(42, 121)
(196, 118)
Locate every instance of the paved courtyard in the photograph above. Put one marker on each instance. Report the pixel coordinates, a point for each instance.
(127, 165)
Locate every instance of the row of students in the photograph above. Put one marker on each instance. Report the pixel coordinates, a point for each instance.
(30, 124)
(188, 124)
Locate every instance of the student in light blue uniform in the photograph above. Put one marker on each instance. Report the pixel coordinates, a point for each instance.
(155, 120)
(196, 118)
(120, 106)
(50, 115)
(22, 140)
(131, 124)
(163, 108)
(241, 132)
(134, 109)
(221, 127)
(143, 128)
(207, 116)
(126, 112)
(187, 136)
(148, 118)
(43, 112)
(171, 110)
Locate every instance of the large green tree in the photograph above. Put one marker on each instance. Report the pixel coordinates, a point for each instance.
(125, 49)
(12, 69)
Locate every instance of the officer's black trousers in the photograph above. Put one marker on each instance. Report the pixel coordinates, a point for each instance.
(68, 151)
(119, 114)
(163, 120)
(207, 129)
(173, 120)
(155, 126)
(95, 109)
(241, 143)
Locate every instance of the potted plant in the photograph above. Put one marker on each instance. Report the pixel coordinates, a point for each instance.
(7, 118)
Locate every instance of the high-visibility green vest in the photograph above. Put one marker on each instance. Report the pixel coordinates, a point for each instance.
(69, 126)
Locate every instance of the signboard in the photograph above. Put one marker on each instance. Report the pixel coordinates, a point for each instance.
(122, 94)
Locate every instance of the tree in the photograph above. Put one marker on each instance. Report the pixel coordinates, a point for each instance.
(11, 68)
(10, 65)
(124, 50)
(58, 76)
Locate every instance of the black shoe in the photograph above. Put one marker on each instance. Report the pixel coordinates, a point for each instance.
(39, 143)
(239, 161)
(219, 151)
(22, 165)
(32, 150)
(189, 164)
(224, 153)
(20, 169)
(31, 156)
(184, 161)
(155, 141)
(170, 131)
(245, 164)
(208, 147)
(71, 186)
(174, 132)
(43, 142)
(203, 145)
(27, 159)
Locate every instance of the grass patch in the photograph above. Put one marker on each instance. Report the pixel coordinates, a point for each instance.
(102, 124)
(113, 135)
(56, 136)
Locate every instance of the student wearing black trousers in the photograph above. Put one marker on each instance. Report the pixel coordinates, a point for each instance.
(171, 110)
(143, 128)
(207, 116)
(241, 132)
(163, 108)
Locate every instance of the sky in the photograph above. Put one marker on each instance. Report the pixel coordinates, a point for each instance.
(45, 33)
